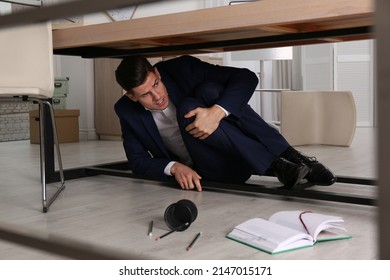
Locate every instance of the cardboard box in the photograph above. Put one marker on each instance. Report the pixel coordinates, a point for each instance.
(67, 122)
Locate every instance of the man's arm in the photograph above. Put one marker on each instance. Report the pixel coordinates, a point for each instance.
(144, 160)
(238, 86)
(141, 161)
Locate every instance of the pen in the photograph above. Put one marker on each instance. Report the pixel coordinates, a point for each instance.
(150, 232)
(194, 241)
(169, 232)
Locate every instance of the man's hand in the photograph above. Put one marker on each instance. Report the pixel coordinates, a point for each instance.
(206, 121)
(187, 178)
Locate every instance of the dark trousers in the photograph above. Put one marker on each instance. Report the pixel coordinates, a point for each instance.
(238, 149)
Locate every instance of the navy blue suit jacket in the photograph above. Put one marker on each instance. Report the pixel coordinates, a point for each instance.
(143, 145)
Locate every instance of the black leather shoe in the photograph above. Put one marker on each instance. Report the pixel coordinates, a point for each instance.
(319, 174)
(289, 173)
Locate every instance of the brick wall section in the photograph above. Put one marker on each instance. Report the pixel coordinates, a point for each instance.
(14, 121)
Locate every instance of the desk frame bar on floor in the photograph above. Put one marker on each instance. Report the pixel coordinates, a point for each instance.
(120, 169)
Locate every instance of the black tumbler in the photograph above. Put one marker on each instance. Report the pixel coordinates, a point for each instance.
(179, 216)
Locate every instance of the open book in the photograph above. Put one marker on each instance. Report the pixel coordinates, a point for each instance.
(289, 230)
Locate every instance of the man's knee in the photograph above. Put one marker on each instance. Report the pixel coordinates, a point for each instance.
(208, 93)
(185, 106)
(205, 95)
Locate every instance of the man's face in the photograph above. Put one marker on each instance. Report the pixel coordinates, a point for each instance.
(152, 94)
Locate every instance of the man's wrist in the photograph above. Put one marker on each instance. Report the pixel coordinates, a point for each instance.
(227, 113)
(167, 169)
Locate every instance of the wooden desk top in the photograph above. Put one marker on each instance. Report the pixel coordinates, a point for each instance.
(260, 24)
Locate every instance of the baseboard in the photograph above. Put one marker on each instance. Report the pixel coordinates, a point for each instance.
(88, 134)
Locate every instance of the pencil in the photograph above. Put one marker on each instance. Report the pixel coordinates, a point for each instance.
(194, 241)
(150, 232)
(169, 232)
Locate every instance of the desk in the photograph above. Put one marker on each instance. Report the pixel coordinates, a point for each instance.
(261, 24)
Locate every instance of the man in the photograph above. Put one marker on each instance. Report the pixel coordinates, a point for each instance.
(190, 119)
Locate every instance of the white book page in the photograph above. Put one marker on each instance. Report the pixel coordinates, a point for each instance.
(267, 235)
(315, 223)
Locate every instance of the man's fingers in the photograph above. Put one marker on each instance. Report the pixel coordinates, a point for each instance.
(190, 114)
(198, 185)
(186, 182)
(196, 132)
(186, 177)
(189, 183)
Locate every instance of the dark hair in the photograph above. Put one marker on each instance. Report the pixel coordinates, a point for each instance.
(132, 72)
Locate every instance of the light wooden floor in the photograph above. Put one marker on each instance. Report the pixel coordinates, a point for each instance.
(113, 213)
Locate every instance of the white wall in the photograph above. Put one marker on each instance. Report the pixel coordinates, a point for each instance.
(81, 91)
(5, 8)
